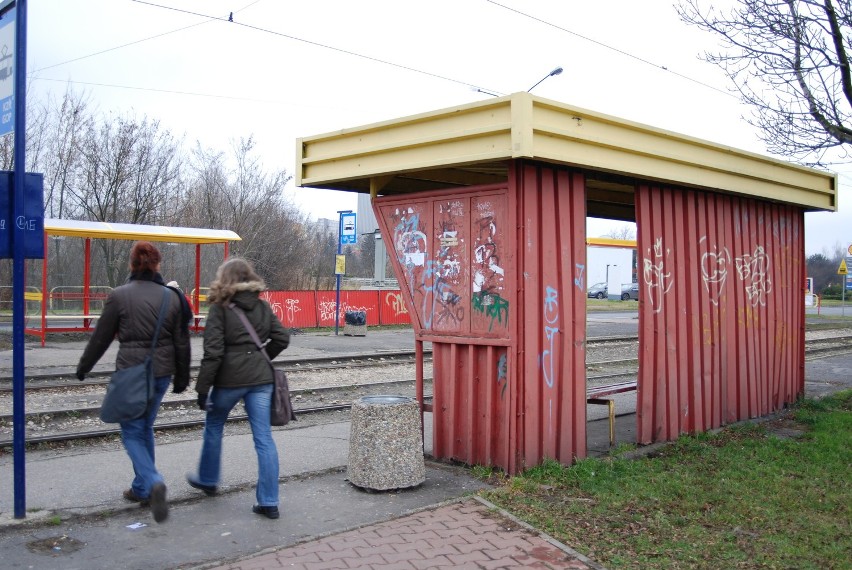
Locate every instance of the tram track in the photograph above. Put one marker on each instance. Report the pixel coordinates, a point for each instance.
(311, 400)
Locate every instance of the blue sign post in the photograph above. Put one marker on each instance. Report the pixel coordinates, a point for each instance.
(13, 15)
(345, 235)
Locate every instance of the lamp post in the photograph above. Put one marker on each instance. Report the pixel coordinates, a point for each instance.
(556, 71)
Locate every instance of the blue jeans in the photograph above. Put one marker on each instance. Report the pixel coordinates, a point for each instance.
(258, 400)
(138, 439)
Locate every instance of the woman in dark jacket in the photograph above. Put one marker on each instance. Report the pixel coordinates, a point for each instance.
(130, 313)
(236, 370)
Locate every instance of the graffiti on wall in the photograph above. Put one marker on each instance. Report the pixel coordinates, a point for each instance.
(752, 269)
(714, 269)
(551, 328)
(488, 275)
(502, 374)
(410, 242)
(444, 273)
(394, 301)
(328, 310)
(579, 280)
(291, 306)
(658, 281)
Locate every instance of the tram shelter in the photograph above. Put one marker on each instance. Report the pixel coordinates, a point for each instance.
(89, 230)
(483, 207)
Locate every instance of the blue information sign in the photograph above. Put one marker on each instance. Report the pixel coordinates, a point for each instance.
(32, 222)
(347, 229)
(7, 75)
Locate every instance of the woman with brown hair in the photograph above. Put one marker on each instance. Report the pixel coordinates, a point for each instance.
(130, 313)
(236, 370)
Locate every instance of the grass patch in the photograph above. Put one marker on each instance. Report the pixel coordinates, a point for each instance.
(603, 305)
(740, 498)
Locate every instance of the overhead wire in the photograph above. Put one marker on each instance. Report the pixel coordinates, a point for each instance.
(488, 91)
(326, 46)
(609, 47)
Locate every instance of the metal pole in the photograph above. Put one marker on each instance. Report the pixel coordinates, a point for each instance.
(18, 401)
(339, 251)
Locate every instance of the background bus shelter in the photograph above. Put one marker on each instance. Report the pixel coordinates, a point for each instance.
(114, 231)
(483, 208)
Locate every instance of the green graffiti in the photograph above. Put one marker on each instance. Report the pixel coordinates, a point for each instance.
(491, 305)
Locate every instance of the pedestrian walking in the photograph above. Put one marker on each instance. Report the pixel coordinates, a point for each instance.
(131, 314)
(234, 369)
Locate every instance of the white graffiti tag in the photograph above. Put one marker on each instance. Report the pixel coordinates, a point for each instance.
(658, 281)
(292, 308)
(752, 269)
(714, 269)
(410, 242)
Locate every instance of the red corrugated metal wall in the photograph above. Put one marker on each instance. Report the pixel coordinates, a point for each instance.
(308, 309)
(453, 252)
(507, 330)
(721, 309)
(551, 217)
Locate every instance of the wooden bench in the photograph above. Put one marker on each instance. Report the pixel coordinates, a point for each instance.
(597, 395)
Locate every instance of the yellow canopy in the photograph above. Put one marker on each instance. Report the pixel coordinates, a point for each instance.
(107, 230)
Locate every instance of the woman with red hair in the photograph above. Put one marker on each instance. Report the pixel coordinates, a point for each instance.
(130, 313)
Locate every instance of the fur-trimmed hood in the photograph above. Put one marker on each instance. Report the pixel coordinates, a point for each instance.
(250, 286)
(247, 294)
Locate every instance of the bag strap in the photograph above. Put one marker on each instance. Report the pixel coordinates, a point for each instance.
(160, 318)
(252, 333)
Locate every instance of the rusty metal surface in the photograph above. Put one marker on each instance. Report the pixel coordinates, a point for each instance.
(721, 309)
(551, 326)
(453, 253)
(494, 278)
(450, 252)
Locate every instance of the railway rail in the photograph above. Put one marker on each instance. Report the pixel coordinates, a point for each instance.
(311, 400)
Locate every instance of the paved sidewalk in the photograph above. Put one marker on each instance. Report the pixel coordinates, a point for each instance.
(468, 534)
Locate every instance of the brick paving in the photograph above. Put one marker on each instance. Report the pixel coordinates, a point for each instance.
(459, 535)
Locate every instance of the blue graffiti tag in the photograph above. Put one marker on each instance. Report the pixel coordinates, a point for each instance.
(578, 280)
(502, 373)
(551, 317)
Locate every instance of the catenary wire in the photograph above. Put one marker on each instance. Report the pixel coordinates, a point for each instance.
(326, 46)
(609, 47)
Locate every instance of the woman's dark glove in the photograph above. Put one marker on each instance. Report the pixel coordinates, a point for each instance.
(179, 385)
(202, 402)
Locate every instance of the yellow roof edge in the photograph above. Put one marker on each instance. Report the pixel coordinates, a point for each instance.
(610, 242)
(106, 230)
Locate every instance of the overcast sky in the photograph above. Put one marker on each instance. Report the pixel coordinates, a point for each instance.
(284, 69)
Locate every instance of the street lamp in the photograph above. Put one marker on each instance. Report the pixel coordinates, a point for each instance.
(556, 71)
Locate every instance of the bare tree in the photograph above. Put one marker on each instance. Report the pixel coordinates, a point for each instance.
(625, 232)
(130, 174)
(248, 200)
(789, 61)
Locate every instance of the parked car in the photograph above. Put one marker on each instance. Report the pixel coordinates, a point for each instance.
(598, 291)
(630, 291)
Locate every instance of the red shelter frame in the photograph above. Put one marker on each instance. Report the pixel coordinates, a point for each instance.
(103, 230)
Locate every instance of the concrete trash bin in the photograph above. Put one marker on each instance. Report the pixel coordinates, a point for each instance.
(355, 323)
(385, 445)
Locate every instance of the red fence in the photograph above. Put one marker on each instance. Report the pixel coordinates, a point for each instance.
(309, 309)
